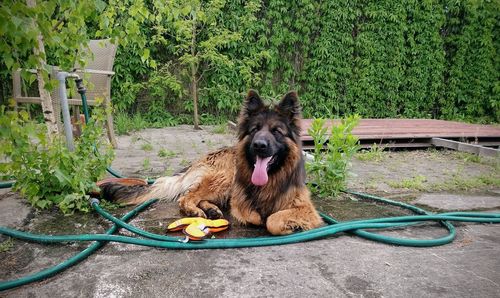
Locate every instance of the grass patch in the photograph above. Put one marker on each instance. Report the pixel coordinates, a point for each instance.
(467, 157)
(165, 153)
(147, 147)
(374, 153)
(169, 171)
(6, 245)
(135, 139)
(184, 162)
(460, 183)
(146, 164)
(125, 123)
(416, 183)
(473, 158)
(210, 144)
(455, 182)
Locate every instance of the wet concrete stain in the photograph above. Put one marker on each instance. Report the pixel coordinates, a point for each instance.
(361, 287)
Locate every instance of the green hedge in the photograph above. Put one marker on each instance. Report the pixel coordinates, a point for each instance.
(377, 58)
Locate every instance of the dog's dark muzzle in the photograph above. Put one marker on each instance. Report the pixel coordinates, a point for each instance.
(262, 146)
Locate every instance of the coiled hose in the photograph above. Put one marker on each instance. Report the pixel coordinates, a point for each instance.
(155, 240)
(333, 227)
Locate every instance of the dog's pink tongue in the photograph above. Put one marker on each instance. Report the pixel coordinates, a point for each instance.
(259, 176)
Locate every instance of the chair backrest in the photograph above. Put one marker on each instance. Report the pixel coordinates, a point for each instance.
(103, 55)
(102, 58)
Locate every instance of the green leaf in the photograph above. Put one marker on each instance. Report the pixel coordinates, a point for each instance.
(186, 10)
(100, 5)
(8, 60)
(145, 55)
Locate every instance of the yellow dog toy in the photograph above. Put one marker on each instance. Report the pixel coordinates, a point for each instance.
(198, 228)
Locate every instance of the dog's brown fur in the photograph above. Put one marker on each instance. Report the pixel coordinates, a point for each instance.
(283, 204)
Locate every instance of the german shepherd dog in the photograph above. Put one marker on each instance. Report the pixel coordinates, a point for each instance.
(262, 177)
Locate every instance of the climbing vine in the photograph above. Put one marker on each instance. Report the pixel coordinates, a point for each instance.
(378, 58)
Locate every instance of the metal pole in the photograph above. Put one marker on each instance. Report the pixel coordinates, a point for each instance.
(68, 131)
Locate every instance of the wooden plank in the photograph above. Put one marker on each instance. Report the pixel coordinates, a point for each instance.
(78, 102)
(411, 133)
(425, 143)
(413, 128)
(464, 147)
(389, 145)
(29, 99)
(97, 71)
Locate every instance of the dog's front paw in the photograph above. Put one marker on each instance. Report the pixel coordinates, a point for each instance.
(281, 228)
(284, 222)
(277, 225)
(195, 213)
(213, 213)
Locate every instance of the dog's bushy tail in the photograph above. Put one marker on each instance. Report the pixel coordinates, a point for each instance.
(125, 194)
(164, 188)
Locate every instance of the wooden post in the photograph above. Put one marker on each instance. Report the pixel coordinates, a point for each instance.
(46, 100)
(194, 79)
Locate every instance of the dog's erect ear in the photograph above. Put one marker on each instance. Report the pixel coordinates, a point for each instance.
(253, 104)
(289, 106)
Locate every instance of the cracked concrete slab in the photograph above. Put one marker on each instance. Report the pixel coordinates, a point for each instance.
(336, 267)
(448, 201)
(17, 209)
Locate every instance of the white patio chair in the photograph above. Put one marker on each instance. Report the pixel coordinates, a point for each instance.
(97, 74)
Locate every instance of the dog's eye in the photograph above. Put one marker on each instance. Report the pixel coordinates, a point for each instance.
(277, 130)
(254, 129)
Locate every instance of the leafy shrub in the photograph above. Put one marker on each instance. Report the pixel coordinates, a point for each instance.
(380, 58)
(157, 115)
(328, 170)
(126, 95)
(46, 172)
(125, 123)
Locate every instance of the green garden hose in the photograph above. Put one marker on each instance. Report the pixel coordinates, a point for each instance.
(333, 227)
(74, 259)
(6, 184)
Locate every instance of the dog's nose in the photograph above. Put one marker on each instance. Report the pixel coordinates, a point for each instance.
(260, 144)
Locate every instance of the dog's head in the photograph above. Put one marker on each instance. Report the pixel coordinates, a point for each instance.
(268, 133)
